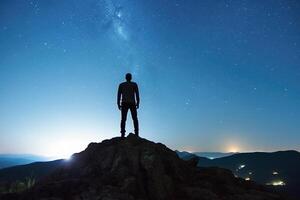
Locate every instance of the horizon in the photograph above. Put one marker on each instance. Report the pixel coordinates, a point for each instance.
(213, 75)
(204, 152)
(68, 156)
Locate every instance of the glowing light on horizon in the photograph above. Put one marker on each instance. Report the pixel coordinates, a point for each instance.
(64, 149)
(68, 158)
(275, 173)
(68, 137)
(247, 179)
(232, 148)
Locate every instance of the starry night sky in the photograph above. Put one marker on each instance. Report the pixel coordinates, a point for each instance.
(214, 75)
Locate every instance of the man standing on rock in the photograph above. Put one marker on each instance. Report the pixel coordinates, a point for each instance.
(129, 92)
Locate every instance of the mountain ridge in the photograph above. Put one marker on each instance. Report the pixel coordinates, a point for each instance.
(135, 168)
(267, 168)
(9, 160)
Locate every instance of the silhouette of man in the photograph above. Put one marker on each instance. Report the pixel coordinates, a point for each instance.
(129, 92)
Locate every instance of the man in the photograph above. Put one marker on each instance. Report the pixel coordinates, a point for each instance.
(129, 92)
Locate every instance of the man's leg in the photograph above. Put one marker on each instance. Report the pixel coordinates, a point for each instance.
(135, 119)
(124, 110)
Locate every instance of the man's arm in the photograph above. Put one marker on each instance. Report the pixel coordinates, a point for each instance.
(137, 96)
(119, 97)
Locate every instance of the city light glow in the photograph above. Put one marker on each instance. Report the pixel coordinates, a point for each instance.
(277, 183)
(233, 149)
(241, 167)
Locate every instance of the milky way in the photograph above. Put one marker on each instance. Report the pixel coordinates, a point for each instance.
(117, 21)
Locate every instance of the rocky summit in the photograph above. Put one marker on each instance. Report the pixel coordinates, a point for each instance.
(137, 169)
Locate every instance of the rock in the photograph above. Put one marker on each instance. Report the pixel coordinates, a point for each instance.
(134, 168)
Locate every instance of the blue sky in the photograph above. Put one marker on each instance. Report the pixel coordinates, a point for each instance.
(213, 75)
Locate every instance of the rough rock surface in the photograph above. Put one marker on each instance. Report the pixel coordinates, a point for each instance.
(138, 169)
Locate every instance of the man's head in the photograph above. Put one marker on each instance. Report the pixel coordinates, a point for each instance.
(128, 77)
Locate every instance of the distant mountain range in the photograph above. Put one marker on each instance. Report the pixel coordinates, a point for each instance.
(280, 170)
(210, 155)
(213, 155)
(8, 160)
(35, 170)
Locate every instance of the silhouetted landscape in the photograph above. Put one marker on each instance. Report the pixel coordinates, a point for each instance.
(277, 170)
(8, 160)
(130, 168)
(210, 155)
